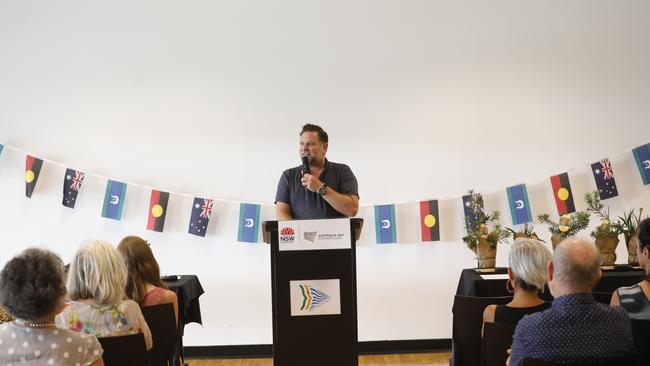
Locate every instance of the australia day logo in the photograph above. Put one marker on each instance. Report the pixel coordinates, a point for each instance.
(287, 235)
(310, 235)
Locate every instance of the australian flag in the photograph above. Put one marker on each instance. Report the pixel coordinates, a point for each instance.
(201, 211)
(468, 213)
(604, 176)
(71, 186)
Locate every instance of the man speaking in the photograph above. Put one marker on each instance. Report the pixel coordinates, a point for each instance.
(317, 189)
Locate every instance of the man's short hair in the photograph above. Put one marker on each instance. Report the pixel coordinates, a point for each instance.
(577, 275)
(322, 135)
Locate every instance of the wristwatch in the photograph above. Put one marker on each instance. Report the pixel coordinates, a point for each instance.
(321, 190)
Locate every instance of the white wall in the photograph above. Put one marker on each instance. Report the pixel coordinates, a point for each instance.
(423, 99)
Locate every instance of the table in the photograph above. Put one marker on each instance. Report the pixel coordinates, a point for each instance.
(472, 283)
(187, 289)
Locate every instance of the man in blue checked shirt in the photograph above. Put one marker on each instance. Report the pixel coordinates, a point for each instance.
(576, 329)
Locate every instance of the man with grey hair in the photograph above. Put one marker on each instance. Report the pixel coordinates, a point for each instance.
(576, 328)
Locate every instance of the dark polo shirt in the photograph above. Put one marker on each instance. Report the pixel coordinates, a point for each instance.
(306, 204)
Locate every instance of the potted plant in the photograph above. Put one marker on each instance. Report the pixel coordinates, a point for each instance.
(627, 225)
(605, 234)
(525, 232)
(484, 233)
(568, 225)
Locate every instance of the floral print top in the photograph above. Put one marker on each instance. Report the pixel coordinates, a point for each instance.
(104, 320)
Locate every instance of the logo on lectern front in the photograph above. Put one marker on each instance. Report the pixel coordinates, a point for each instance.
(287, 235)
(310, 235)
(312, 298)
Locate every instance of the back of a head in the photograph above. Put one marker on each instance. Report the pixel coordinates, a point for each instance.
(643, 233)
(97, 271)
(32, 285)
(527, 260)
(141, 265)
(576, 265)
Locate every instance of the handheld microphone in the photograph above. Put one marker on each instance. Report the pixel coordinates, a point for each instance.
(306, 169)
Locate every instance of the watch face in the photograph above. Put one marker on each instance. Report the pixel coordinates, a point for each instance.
(322, 189)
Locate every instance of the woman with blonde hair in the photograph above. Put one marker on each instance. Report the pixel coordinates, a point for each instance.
(98, 304)
(144, 285)
(527, 277)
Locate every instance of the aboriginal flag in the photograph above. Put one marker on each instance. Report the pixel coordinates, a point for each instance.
(157, 210)
(32, 170)
(429, 220)
(562, 193)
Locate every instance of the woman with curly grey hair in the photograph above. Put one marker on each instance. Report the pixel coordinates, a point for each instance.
(526, 280)
(32, 289)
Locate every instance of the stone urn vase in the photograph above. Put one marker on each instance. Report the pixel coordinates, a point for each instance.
(607, 247)
(486, 254)
(556, 240)
(632, 259)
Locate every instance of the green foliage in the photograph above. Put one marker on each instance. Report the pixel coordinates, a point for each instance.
(527, 231)
(494, 232)
(596, 207)
(577, 221)
(628, 223)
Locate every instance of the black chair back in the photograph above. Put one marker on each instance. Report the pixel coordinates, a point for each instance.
(162, 323)
(497, 339)
(641, 332)
(602, 297)
(629, 359)
(127, 350)
(467, 322)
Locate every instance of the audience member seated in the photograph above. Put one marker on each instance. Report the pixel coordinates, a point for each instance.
(634, 299)
(527, 277)
(98, 304)
(33, 290)
(576, 329)
(144, 285)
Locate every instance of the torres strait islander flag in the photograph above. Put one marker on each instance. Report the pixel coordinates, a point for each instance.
(32, 170)
(385, 224)
(562, 193)
(249, 223)
(201, 211)
(642, 158)
(519, 204)
(429, 220)
(604, 176)
(114, 200)
(71, 186)
(157, 210)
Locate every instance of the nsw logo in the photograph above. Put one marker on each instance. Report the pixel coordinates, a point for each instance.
(310, 235)
(287, 235)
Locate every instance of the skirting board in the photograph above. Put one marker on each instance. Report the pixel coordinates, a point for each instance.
(364, 348)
